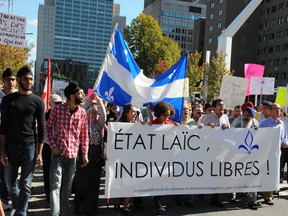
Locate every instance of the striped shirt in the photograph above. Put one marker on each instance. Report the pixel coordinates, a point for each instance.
(68, 132)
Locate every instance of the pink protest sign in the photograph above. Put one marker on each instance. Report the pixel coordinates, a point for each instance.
(253, 70)
(89, 93)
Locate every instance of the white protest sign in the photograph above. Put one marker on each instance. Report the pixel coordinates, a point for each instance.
(233, 91)
(58, 86)
(12, 30)
(262, 85)
(153, 160)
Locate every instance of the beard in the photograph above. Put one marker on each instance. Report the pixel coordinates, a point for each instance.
(78, 101)
(24, 88)
(246, 123)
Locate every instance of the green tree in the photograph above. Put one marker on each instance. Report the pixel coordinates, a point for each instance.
(216, 70)
(195, 72)
(14, 57)
(150, 49)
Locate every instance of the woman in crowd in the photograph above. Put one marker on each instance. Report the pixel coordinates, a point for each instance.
(87, 179)
(130, 115)
(163, 111)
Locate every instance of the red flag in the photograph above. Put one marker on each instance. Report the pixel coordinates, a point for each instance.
(47, 87)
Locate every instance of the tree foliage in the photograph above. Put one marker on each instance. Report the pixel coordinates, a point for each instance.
(216, 70)
(150, 49)
(195, 72)
(14, 57)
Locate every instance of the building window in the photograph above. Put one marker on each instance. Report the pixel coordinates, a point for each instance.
(271, 36)
(281, 6)
(285, 47)
(220, 12)
(220, 1)
(263, 51)
(211, 16)
(280, 20)
(283, 75)
(219, 25)
(274, 9)
(284, 61)
(267, 11)
(277, 48)
(210, 28)
(279, 34)
(209, 40)
(212, 5)
(270, 49)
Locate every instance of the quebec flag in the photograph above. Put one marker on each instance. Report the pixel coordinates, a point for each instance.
(120, 80)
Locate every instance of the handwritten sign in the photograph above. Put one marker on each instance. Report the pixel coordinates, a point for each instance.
(58, 86)
(253, 70)
(146, 160)
(12, 30)
(233, 91)
(262, 85)
(281, 96)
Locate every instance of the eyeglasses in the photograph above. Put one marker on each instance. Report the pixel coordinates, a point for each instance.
(200, 113)
(93, 103)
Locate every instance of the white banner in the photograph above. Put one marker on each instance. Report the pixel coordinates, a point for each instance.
(12, 30)
(153, 160)
(233, 91)
(262, 85)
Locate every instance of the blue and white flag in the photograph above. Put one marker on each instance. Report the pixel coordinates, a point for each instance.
(120, 80)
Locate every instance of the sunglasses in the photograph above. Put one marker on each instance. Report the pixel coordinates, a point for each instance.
(200, 113)
(57, 103)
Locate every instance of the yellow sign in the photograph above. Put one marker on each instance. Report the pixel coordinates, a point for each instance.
(281, 96)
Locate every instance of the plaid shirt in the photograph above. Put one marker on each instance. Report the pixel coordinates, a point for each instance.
(67, 132)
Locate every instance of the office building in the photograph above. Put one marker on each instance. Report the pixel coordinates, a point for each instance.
(80, 29)
(263, 39)
(120, 20)
(177, 18)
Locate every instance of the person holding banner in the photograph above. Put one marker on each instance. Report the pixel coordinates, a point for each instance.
(217, 119)
(273, 121)
(130, 115)
(163, 111)
(248, 121)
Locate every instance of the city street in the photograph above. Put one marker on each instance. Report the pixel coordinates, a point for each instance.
(39, 207)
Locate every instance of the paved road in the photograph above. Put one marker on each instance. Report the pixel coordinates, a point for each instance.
(39, 207)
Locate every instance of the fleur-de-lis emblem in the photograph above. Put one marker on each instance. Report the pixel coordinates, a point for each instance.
(170, 76)
(109, 95)
(249, 143)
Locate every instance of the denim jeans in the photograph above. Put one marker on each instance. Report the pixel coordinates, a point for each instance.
(20, 156)
(62, 171)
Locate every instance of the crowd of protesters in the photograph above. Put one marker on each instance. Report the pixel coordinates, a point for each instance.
(72, 149)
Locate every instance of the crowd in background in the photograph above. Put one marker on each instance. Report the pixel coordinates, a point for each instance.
(72, 151)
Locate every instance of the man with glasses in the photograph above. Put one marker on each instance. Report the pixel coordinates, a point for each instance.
(21, 141)
(9, 86)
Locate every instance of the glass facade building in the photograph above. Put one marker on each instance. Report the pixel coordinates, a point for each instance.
(82, 32)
